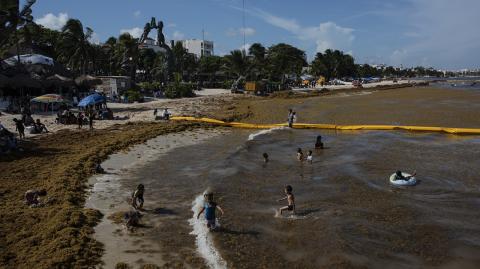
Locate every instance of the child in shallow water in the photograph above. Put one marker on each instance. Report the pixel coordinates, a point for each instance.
(299, 154)
(290, 199)
(310, 157)
(210, 211)
(265, 157)
(137, 196)
(399, 175)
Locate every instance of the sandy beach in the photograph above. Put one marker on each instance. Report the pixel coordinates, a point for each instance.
(347, 212)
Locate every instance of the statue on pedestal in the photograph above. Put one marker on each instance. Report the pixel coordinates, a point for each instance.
(160, 36)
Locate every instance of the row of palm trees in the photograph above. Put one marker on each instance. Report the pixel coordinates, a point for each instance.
(73, 47)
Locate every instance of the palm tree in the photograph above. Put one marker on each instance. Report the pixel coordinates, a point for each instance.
(237, 62)
(258, 52)
(109, 48)
(75, 48)
(127, 54)
(11, 18)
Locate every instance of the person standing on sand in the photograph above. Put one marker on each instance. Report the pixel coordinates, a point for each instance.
(20, 128)
(80, 120)
(290, 199)
(91, 116)
(210, 208)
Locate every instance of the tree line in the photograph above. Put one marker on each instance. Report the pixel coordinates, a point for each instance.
(72, 47)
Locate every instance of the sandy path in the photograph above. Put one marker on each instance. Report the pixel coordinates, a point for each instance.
(206, 103)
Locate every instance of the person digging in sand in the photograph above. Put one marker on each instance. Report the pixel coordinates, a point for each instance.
(32, 197)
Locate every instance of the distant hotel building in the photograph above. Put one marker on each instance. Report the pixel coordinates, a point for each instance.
(198, 47)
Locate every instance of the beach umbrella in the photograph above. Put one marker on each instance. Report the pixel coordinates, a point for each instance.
(24, 81)
(59, 80)
(92, 99)
(87, 80)
(4, 80)
(49, 99)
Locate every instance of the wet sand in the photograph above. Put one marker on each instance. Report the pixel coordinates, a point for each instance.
(110, 194)
(60, 234)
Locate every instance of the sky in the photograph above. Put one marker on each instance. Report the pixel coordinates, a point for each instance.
(442, 34)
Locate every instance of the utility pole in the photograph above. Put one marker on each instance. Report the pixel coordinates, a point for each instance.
(243, 29)
(203, 42)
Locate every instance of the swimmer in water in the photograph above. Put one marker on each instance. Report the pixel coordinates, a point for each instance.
(290, 199)
(210, 208)
(265, 157)
(399, 175)
(310, 157)
(319, 143)
(299, 154)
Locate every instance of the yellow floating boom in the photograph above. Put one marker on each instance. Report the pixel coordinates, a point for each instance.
(463, 131)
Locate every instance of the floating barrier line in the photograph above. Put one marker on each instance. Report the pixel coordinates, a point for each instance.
(449, 130)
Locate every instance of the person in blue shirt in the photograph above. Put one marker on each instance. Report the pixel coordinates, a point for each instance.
(209, 209)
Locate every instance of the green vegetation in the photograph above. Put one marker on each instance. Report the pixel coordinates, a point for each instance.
(279, 63)
(177, 89)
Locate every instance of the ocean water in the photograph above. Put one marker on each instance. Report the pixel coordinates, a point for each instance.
(347, 212)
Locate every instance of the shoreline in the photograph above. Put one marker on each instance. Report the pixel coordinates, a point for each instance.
(109, 195)
(61, 166)
(62, 162)
(203, 105)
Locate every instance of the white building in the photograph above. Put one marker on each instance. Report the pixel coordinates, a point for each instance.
(198, 47)
(150, 43)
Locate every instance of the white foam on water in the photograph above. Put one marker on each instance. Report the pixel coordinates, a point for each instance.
(264, 132)
(204, 240)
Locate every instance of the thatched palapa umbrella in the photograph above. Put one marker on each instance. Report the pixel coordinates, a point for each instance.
(87, 81)
(24, 81)
(4, 80)
(60, 81)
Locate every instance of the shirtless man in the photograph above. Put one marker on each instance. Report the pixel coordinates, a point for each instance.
(290, 199)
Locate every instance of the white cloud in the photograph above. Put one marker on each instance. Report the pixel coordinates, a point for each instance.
(95, 38)
(327, 35)
(135, 32)
(245, 47)
(443, 33)
(53, 22)
(137, 13)
(398, 57)
(248, 31)
(177, 35)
